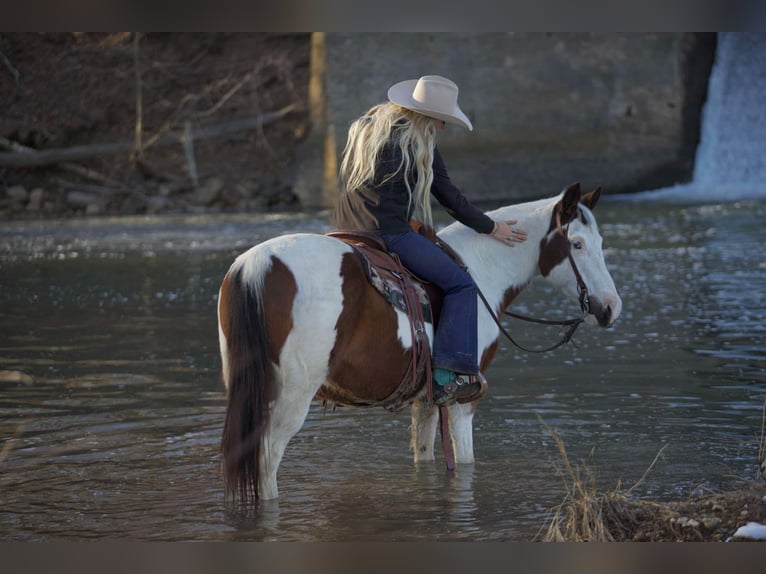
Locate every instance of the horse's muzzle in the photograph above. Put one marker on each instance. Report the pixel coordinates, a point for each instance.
(603, 313)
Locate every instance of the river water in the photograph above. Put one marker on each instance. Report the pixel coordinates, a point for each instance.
(111, 405)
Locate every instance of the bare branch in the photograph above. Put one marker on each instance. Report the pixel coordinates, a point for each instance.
(77, 169)
(139, 148)
(47, 157)
(13, 71)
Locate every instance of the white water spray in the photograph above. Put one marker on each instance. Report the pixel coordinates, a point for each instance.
(731, 157)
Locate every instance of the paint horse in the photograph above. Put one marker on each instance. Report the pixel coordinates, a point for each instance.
(297, 319)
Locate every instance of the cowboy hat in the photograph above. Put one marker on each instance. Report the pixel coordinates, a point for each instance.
(432, 96)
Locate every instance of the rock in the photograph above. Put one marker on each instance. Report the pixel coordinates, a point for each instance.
(257, 203)
(17, 193)
(208, 192)
(35, 199)
(133, 204)
(232, 196)
(711, 522)
(81, 199)
(692, 523)
(157, 203)
(15, 377)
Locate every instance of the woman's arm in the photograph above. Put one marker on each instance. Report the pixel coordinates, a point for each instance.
(461, 209)
(456, 204)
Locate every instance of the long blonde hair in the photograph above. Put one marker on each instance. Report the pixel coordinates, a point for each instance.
(415, 134)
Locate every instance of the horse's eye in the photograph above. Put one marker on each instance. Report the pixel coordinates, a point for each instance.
(577, 244)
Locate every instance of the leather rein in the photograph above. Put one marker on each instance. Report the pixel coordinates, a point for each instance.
(571, 324)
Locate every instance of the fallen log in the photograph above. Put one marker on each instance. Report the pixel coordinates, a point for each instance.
(9, 145)
(47, 157)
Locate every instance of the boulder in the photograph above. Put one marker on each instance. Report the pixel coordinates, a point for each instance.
(17, 193)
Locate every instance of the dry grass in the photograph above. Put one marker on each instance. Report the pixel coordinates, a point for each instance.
(762, 445)
(585, 515)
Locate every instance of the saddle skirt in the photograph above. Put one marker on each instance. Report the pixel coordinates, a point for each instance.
(386, 272)
(407, 293)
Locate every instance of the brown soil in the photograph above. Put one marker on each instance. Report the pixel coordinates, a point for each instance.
(59, 90)
(587, 515)
(708, 518)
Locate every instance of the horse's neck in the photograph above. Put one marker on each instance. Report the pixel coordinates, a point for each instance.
(499, 269)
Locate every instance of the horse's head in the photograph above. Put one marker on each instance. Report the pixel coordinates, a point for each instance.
(572, 259)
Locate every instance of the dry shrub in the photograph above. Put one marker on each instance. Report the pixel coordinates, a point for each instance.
(762, 445)
(585, 515)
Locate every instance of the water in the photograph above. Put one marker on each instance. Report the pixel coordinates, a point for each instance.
(730, 163)
(732, 150)
(115, 432)
(111, 405)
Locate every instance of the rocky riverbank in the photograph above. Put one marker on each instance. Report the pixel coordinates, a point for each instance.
(124, 123)
(213, 195)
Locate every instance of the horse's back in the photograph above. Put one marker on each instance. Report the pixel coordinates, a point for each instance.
(327, 325)
(304, 282)
(305, 255)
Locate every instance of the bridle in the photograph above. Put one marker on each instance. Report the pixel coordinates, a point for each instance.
(571, 324)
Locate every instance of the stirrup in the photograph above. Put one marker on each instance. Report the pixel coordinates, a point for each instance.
(461, 389)
(473, 390)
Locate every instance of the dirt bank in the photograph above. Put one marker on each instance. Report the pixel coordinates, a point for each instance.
(77, 91)
(704, 517)
(589, 515)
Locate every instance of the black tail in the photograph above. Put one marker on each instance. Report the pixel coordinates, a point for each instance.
(251, 385)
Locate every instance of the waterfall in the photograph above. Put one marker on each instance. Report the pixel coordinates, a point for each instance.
(730, 163)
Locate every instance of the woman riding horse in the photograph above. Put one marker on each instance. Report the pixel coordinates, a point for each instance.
(391, 167)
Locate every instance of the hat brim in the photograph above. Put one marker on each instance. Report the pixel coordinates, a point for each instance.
(401, 95)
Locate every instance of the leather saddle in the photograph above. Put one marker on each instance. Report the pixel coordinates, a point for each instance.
(419, 300)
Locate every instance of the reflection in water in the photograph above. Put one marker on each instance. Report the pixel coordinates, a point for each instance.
(111, 405)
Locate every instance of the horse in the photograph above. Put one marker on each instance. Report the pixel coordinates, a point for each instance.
(298, 319)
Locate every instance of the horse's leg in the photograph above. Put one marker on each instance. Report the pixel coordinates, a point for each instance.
(461, 431)
(424, 422)
(286, 417)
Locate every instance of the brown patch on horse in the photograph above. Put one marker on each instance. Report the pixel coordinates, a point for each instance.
(510, 294)
(368, 361)
(554, 248)
(279, 290)
(489, 353)
(566, 209)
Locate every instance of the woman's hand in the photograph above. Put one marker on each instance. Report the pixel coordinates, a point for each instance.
(504, 233)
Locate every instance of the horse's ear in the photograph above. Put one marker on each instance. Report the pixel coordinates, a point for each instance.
(566, 209)
(591, 199)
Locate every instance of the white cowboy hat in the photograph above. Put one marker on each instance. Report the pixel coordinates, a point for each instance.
(432, 96)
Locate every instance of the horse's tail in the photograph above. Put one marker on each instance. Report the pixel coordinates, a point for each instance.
(250, 380)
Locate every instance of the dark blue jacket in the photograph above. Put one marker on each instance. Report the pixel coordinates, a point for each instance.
(391, 209)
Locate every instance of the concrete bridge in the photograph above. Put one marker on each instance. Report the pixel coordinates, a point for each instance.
(617, 110)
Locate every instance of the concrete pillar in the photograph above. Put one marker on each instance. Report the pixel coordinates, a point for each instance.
(316, 181)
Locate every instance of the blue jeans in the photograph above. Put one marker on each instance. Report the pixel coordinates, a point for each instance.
(455, 341)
